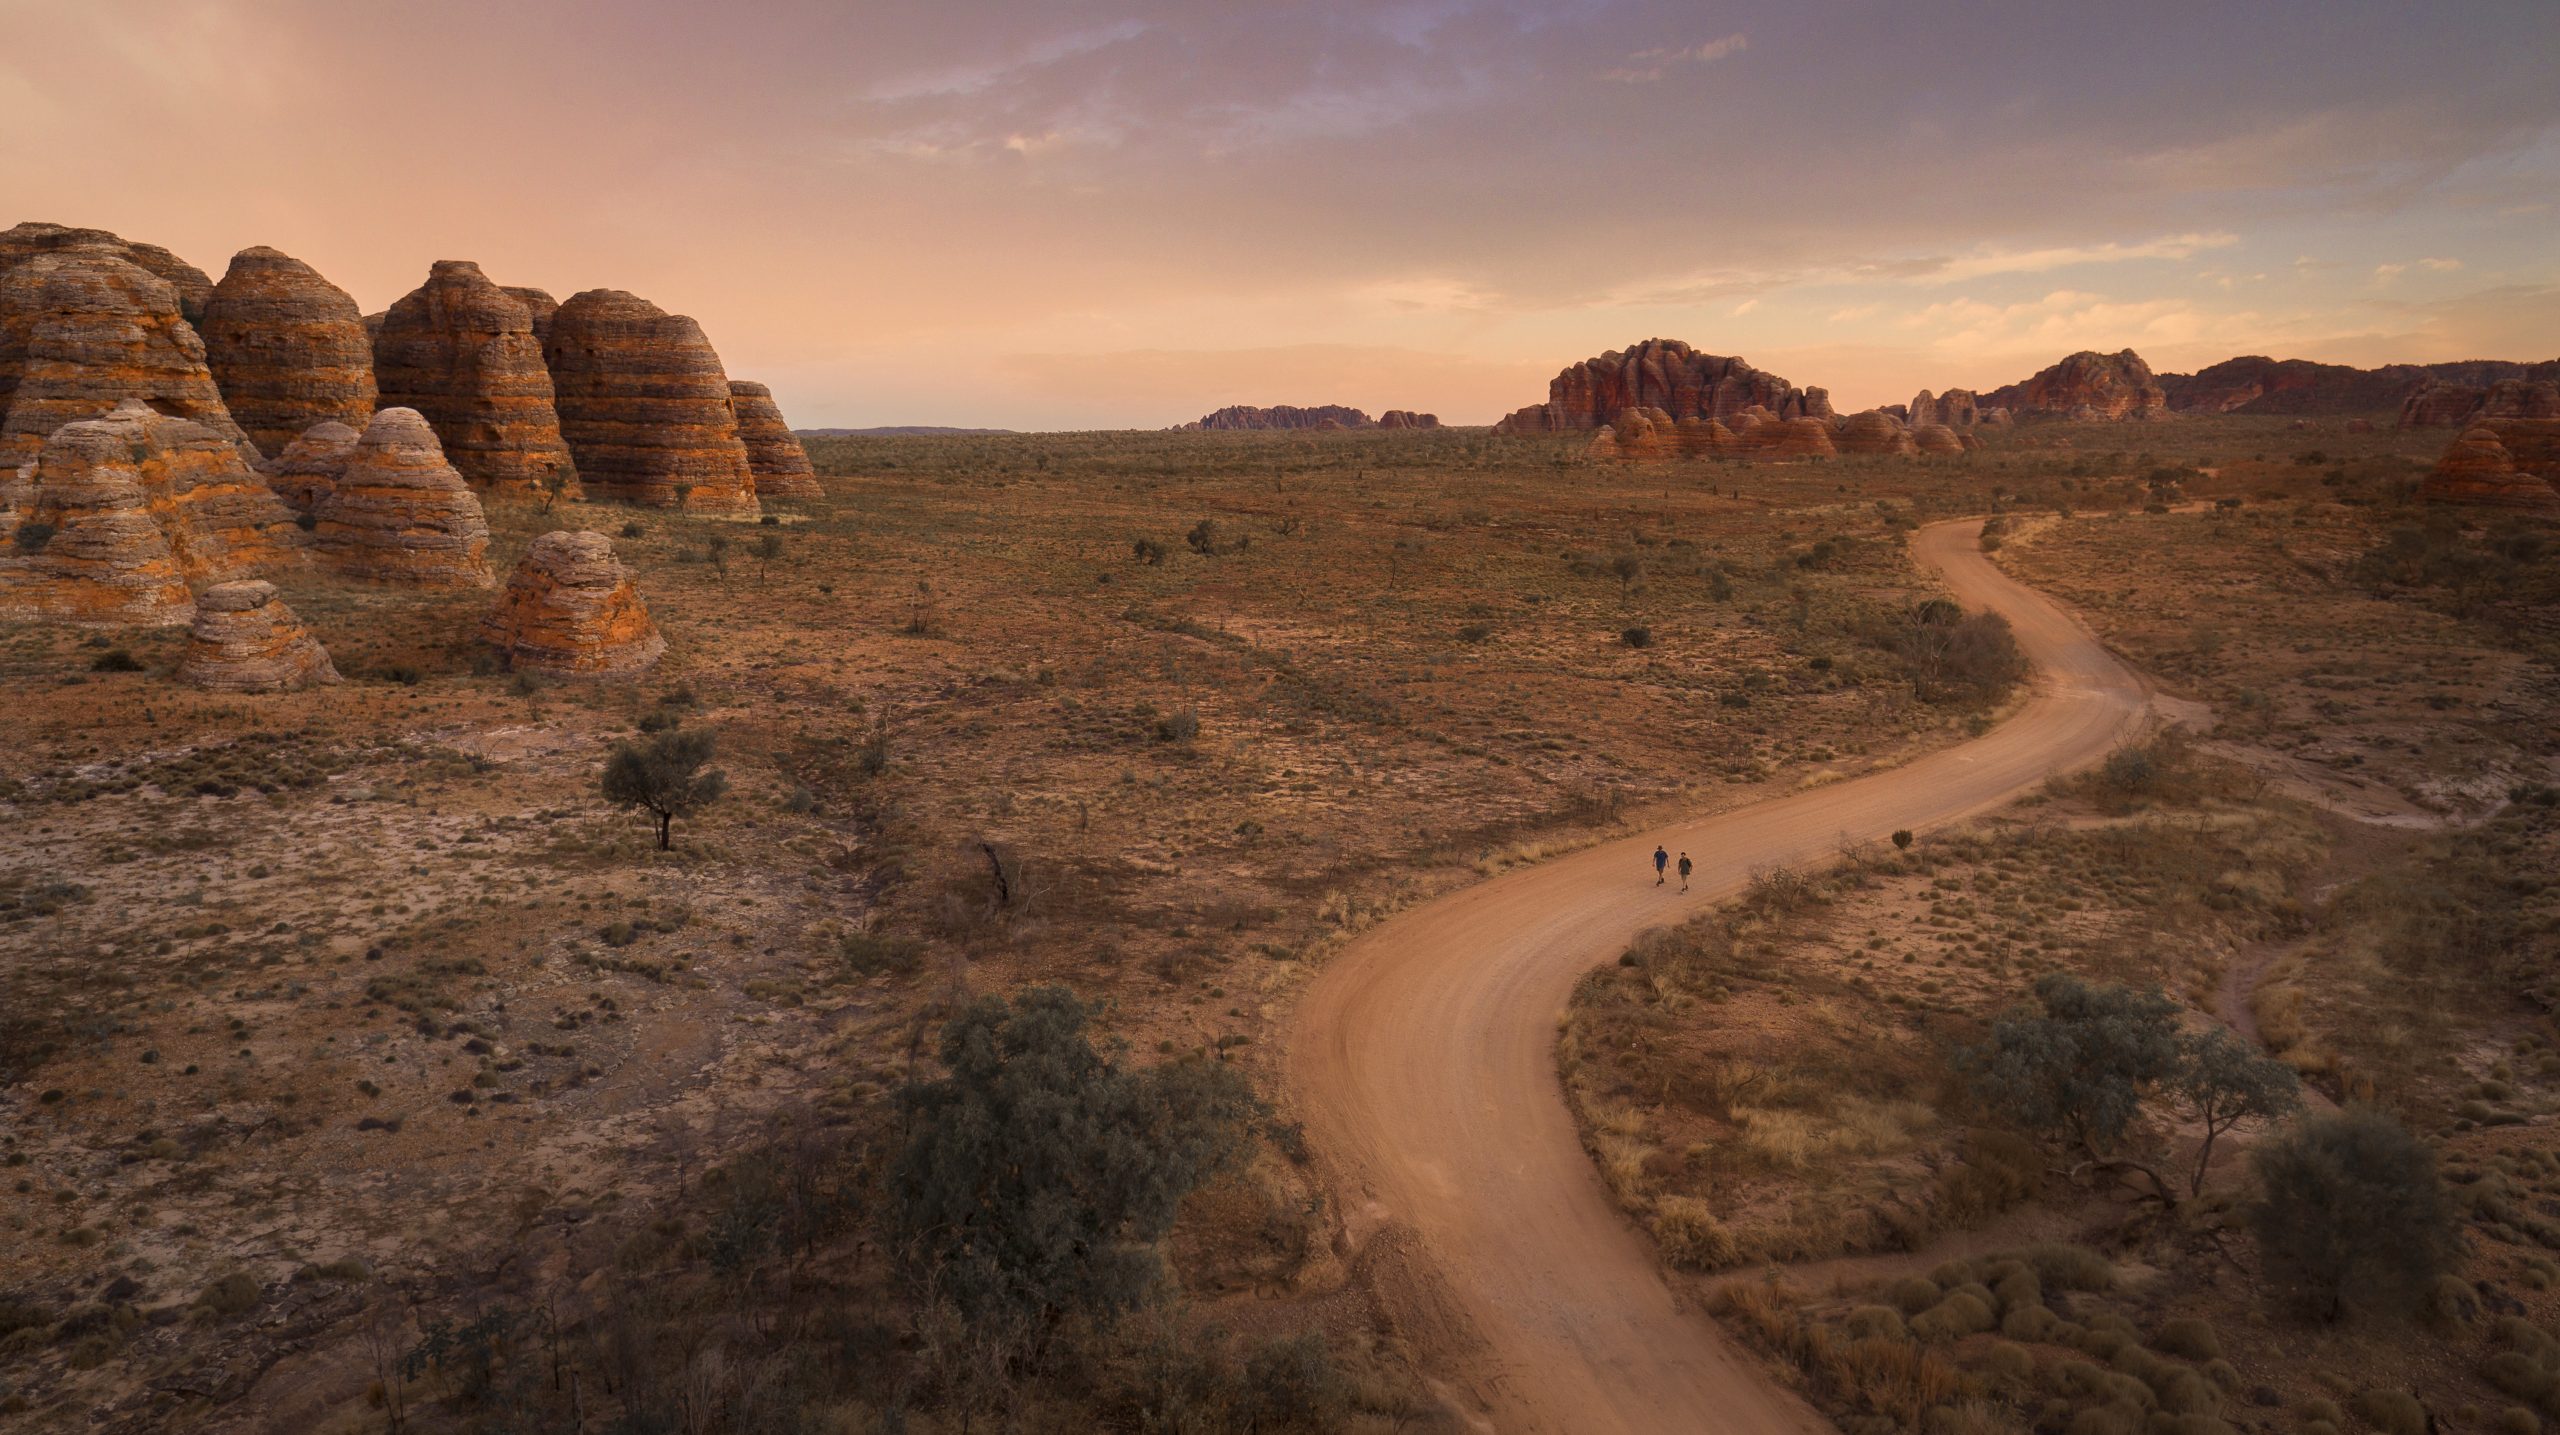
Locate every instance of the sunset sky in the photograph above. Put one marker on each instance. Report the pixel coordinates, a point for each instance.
(1073, 215)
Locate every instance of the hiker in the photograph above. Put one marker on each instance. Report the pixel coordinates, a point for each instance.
(1684, 871)
(1661, 859)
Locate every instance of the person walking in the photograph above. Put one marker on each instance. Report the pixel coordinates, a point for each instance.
(1684, 871)
(1661, 859)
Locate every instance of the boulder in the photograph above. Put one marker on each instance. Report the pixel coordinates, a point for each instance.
(1872, 432)
(774, 455)
(2086, 386)
(1664, 374)
(287, 348)
(539, 306)
(645, 406)
(1936, 439)
(1603, 445)
(102, 558)
(1646, 433)
(571, 608)
(1407, 419)
(309, 466)
(245, 640)
(82, 328)
(26, 241)
(461, 351)
(398, 513)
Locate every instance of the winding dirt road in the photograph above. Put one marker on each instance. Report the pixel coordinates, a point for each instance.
(1422, 1061)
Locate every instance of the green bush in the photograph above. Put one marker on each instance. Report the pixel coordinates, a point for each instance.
(1690, 1235)
(2393, 1412)
(2352, 1215)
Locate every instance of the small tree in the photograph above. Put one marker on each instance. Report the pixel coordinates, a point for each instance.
(2077, 1071)
(2352, 1215)
(768, 547)
(663, 773)
(2222, 1082)
(716, 548)
(1041, 1174)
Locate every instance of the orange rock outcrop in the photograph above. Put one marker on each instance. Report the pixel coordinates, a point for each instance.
(287, 349)
(2086, 386)
(774, 456)
(2478, 469)
(308, 468)
(98, 556)
(1663, 374)
(461, 351)
(399, 513)
(571, 608)
(82, 328)
(28, 240)
(1872, 432)
(645, 406)
(245, 640)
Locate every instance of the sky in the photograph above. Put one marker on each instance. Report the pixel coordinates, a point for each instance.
(1124, 213)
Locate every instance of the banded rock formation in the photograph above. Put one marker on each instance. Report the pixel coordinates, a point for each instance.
(308, 469)
(2437, 404)
(80, 329)
(539, 306)
(399, 513)
(1407, 419)
(219, 518)
(245, 640)
(1665, 374)
(101, 558)
(1956, 408)
(774, 456)
(2086, 386)
(461, 351)
(571, 608)
(1803, 437)
(30, 239)
(287, 349)
(2478, 469)
(645, 406)
(1872, 432)
(1937, 440)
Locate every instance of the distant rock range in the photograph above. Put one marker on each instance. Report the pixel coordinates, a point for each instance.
(905, 431)
(1324, 418)
(2257, 385)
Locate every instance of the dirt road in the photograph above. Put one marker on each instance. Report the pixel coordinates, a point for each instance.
(1422, 1062)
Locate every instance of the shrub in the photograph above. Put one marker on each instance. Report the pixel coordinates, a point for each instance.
(1148, 551)
(1915, 1294)
(32, 537)
(1959, 1315)
(872, 953)
(2353, 1214)
(115, 660)
(1875, 1322)
(1042, 1175)
(2393, 1412)
(664, 775)
(2187, 1336)
(1291, 1384)
(2068, 1267)
(1178, 727)
(1637, 637)
(230, 1295)
(633, 529)
(1691, 1236)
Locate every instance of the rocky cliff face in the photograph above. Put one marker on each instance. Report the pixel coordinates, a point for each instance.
(1668, 375)
(774, 455)
(82, 328)
(645, 406)
(461, 351)
(245, 640)
(287, 349)
(571, 608)
(219, 517)
(1407, 419)
(539, 306)
(26, 241)
(398, 513)
(2087, 386)
(2441, 403)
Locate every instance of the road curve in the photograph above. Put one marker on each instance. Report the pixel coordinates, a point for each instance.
(1422, 1062)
